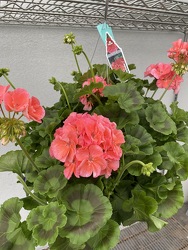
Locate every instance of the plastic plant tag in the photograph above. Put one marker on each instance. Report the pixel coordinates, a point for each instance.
(115, 55)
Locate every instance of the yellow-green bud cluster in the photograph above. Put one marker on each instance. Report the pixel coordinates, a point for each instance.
(77, 50)
(180, 68)
(147, 169)
(69, 38)
(10, 129)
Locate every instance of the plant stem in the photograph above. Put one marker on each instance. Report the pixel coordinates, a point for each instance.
(121, 172)
(12, 85)
(96, 97)
(37, 199)
(90, 66)
(167, 87)
(26, 154)
(76, 60)
(2, 110)
(154, 93)
(66, 97)
(146, 92)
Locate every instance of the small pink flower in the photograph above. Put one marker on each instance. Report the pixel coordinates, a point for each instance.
(119, 64)
(149, 70)
(16, 100)
(165, 75)
(179, 52)
(170, 81)
(3, 90)
(86, 100)
(90, 161)
(34, 110)
(161, 69)
(63, 150)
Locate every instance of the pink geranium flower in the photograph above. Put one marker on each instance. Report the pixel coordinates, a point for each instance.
(34, 110)
(179, 52)
(90, 161)
(16, 100)
(165, 75)
(170, 81)
(88, 145)
(87, 100)
(3, 90)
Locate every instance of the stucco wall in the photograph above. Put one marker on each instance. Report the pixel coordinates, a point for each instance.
(35, 54)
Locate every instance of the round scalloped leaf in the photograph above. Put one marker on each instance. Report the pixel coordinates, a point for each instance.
(9, 215)
(45, 222)
(14, 161)
(13, 234)
(107, 237)
(44, 160)
(174, 201)
(88, 210)
(159, 119)
(50, 181)
(65, 244)
(126, 94)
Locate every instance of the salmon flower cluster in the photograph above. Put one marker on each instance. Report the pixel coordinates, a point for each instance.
(18, 102)
(88, 100)
(165, 75)
(169, 76)
(88, 145)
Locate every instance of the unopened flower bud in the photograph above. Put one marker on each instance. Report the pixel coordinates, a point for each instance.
(5, 140)
(69, 38)
(11, 129)
(77, 50)
(147, 169)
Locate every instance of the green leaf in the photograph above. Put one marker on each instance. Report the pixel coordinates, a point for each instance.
(159, 119)
(14, 161)
(88, 89)
(155, 223)
(44, 160)
(87, 211)
(172, 204)
(174, 151)
(178, 114)
(65, 244)
(182, 133)
(117, 115)
(123, 76)
(102, 70)
(45, 222)
(126, 94)
(107, 237)
(9, 215)
(13, 234)
(50, 122)
(143, 139)
(143, 207)
(50, 181)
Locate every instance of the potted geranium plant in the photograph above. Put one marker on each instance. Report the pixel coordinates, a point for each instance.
(107, 153)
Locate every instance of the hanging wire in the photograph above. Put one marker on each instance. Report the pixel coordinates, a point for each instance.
(105, 19)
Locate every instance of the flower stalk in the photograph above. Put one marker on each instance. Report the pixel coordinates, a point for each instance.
(65, 94)
(27, 154)
(167, 87)
(76, 60)
(27, 190)
(8, 80)
(147, 169)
